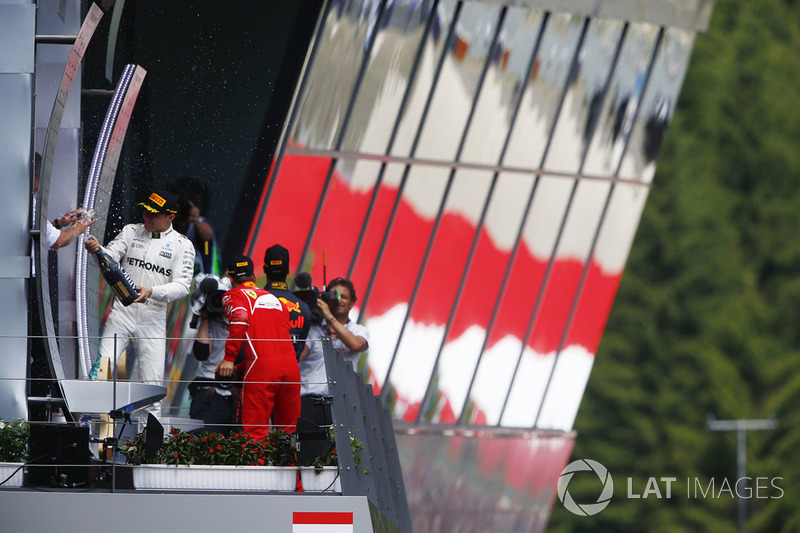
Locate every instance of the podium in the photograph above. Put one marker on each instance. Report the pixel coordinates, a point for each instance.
(95, 397)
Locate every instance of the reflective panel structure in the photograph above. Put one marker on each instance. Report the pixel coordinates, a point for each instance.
(347, 30)
(657, 104)
(478, 170)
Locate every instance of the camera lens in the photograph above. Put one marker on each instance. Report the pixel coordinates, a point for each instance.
(208, 284)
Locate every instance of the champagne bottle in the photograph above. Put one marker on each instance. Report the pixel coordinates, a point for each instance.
(116, 277)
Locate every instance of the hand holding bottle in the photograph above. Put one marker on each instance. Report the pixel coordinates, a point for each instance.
(91, 244)
(144, 294)
(116, 277)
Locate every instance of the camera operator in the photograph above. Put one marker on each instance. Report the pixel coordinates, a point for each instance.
(349, 339)
(213, 402)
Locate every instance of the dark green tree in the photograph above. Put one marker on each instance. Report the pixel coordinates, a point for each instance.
(706, 318)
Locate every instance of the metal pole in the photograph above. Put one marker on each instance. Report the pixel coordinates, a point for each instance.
(741, 470)
(741, 427)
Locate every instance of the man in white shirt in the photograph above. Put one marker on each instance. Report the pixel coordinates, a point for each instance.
(63, 230)
(350, 339)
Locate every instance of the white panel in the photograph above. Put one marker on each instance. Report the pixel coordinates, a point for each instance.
(468, 194)
(584, 215)
(424, 189)
(15, 170)
(570, 375)
(619, 228)
(493, 380)
(17, 30)
(528, 389)
(383, 333)
(547, 211)
(508, 207)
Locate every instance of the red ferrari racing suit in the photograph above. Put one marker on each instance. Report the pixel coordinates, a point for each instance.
(259, 323)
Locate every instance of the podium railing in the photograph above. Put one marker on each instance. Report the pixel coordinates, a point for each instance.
(356, 413)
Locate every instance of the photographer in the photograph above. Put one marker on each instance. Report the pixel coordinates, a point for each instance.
(213, 402)
(349, 338)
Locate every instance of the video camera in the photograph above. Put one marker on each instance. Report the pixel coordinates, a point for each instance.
(207, 297)
(307, 292)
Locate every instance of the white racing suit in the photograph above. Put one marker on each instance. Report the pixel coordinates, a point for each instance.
(164, 262)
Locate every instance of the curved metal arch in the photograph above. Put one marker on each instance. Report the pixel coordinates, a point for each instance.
(97, 196)
(41, 250)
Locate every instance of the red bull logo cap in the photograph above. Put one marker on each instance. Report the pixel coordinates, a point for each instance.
(276, 260)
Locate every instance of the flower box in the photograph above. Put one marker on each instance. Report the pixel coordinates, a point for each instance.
(6, 469)
(326, 481)
(215, 477)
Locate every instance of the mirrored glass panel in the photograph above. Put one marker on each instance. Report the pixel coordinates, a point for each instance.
(562, 282)
(295, 195)
(459, 81)
(386, 80)
(440, 283)
(614, 242)
(490, 470)
(527, 389)
(616, 118)
(478, 306)
(545, 89)
(604, 272)
(332, 78)
(567, 268)
(435, 45)
(341, 219)
(374, 230)
(658, 105)
(396, 278)
(585, 91)
(497, 103)
(540, 237)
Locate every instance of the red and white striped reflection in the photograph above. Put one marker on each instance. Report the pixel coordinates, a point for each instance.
(287, 220)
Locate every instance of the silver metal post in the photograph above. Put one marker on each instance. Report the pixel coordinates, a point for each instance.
(741, 427)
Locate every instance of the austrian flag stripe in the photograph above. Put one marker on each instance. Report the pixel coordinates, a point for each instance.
(319, 522)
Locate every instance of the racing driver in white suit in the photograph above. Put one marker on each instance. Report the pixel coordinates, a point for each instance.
(160, 261)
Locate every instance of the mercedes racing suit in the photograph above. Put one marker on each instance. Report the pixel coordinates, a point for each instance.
(260, 321)
(165, 262)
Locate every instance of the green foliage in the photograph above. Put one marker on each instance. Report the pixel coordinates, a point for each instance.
(331, 458)
(706, 318)
(181, 448)
(14, 436)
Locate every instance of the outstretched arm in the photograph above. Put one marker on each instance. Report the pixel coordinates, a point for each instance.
(68, 235)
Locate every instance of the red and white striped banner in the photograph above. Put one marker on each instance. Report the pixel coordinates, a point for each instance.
(319, 522)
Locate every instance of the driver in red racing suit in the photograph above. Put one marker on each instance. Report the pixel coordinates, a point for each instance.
(259, 322)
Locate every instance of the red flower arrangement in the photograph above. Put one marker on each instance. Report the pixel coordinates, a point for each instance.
(181, 448)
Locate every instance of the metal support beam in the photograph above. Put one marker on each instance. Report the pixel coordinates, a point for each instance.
(741, 427)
